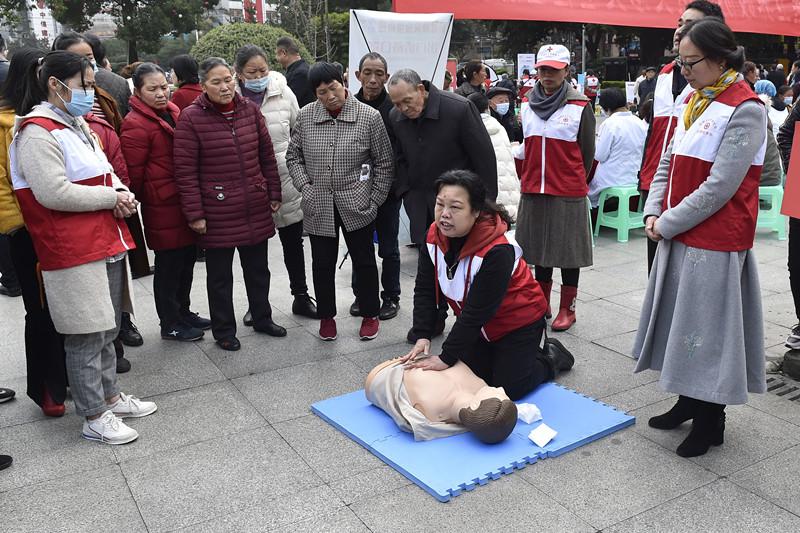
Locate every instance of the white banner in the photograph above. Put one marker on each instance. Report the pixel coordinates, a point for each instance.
(418, 42)
(525, 61)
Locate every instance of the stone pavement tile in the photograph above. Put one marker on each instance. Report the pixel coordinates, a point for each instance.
(615, 478)
(263, 353)
(604, 284)
(775, 479)
(779, 309)
(271, 513)
(203, 481)
(342, 521)
(167, 366)
(633, 300)
(773, 277)
(719, 507)
(638, 397)
(621, 343)
(22, 409)
(777, 406)
(95, 500)
(289, 392)
(189, 416)
(12, 326)
(768, 249)
(367, 484)
(601, 318)
(599, 372)
(391, 331)
(506, 504)
(750, 436)
(49, 449)
(12, 363)
(328, 451)
(774, 333)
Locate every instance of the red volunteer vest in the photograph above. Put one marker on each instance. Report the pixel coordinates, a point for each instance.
(553, 163)
(523, 304)
(67, 239)
(733, 227)
(666, 114)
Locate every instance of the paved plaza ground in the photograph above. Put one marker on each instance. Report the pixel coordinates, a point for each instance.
(234, 446)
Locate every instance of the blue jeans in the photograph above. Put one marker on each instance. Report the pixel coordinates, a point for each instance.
(387, 225)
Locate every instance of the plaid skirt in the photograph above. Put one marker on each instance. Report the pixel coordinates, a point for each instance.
(554, 231)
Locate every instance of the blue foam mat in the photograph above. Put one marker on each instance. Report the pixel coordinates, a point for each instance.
(446, 467)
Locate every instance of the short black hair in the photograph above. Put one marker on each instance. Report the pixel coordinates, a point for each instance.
(796, 64)
(288, 44)
(612, 98)
(472, 68)
(480, 101)
(245, 54)
(376, 56)
(709, 9)
(98, 48)
(716, 40)
(68, 38)
(145, 69)
(783, 89)
(185, 67)
(323, 72)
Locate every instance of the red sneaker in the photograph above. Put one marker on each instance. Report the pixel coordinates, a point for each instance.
(327, 329)
(50, 407)
(369, 328)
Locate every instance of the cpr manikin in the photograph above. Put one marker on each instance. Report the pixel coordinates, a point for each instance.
(433, 404)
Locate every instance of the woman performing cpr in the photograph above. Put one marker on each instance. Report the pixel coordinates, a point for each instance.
(500, 308)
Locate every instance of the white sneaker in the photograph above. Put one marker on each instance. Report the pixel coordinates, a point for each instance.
(793, 341)
(132, 407)
(109, 429)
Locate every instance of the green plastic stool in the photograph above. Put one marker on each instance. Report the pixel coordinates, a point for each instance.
(772, 218)
(623, 219)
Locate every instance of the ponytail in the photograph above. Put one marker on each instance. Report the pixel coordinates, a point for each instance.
(21, 87)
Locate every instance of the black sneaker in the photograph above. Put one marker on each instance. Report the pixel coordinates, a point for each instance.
(12, 292)
(123, 365)
(5, 461)
(6, 395)
(389, 308)
(128, 333)
(196, 321)
(248, 319)
(355, 309)
(182, 332)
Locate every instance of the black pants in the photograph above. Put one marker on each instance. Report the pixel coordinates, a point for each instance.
(44, 346)
(137, 258)
(294, 258)
(219, 268)
(8, 276)
(325, 252)
(794, 263)
(515, 362)
(652, 245)
(569, 276)
(172, 283)
(387, 226)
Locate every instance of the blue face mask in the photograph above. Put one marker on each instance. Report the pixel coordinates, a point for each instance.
(502, 109)
(787, 100)
(81, 101)
(258, 85)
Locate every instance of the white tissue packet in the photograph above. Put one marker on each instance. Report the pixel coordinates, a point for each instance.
(528, 412)
(542, 435)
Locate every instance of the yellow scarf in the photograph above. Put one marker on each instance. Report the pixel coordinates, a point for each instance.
(702, 98)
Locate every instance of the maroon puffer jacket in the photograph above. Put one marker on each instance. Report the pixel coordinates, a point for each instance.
(226, 173)
(147, 145)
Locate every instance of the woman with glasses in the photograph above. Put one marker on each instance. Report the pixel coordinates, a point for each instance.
(701, 322)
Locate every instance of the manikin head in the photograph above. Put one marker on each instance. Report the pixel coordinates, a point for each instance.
(493, 419)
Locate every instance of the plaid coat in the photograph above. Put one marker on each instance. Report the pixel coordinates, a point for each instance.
(347, 162)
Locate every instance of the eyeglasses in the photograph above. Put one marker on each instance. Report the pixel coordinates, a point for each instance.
(680, 63)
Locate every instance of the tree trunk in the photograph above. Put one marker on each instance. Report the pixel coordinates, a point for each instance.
(133, 53)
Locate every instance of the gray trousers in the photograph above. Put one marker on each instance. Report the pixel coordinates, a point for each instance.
(91, 359)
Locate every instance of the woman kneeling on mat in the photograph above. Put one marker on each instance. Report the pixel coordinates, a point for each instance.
(469, 260)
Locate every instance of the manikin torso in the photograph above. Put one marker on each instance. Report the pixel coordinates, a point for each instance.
(440, 395)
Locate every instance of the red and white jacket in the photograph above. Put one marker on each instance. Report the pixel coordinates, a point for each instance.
(552, 159)
(524, 301)
(666, 115)
(67, 239)
(732, 228)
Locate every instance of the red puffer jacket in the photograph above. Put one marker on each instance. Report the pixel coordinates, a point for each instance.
(226, 173)
(109, 142)
(147, 145)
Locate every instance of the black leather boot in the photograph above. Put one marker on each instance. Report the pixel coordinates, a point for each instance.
(304, 305)
(682, 411)
(708, 429)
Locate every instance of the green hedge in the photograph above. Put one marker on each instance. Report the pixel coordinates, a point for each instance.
(612, 83)
(223, 41)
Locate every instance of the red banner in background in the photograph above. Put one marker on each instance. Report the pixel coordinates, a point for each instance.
(773, 17)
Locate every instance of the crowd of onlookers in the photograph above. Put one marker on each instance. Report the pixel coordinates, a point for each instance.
(210, 160)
